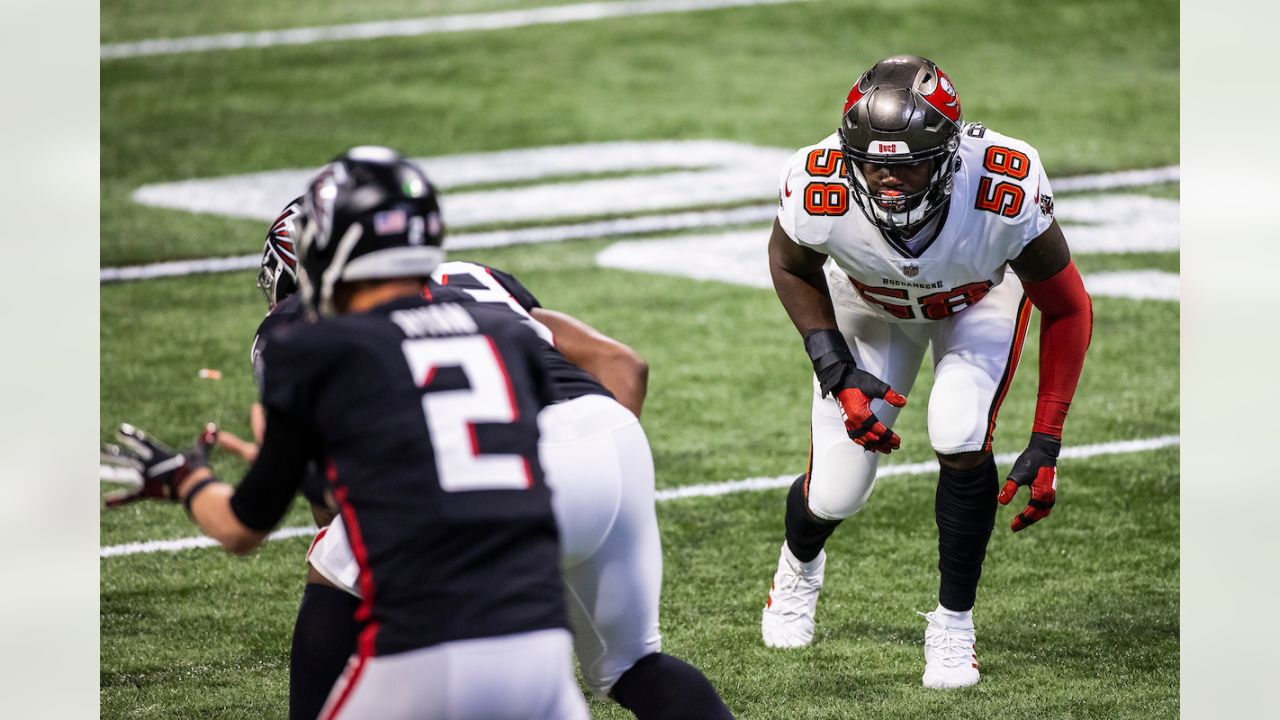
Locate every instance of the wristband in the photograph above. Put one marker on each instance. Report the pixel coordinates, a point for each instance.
(186, 502)
(821, 343)
(831, 357)
(1047, 444)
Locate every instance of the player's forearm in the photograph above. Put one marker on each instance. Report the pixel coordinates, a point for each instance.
(800, 283)
(210, 508)
(806, 300)
(1066, 327)
(627, 377)
(619, 368)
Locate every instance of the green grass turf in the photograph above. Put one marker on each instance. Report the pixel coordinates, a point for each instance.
(125, 20)
(737, 358)
(1165, 262)
(1085, 605)
(1088, 99)
(1083, 609)
(1078, 617)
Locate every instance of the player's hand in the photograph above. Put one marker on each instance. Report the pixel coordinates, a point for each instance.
(1036, 467)
(838, 374)
(151, 468)
(863, 426)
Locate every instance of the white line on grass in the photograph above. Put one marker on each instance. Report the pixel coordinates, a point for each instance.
(689, 491)
(1092, 210)
(1125, 178)
(469, 241)
(1135, 285)
(931, 466)
(418, 26)
(154, 546)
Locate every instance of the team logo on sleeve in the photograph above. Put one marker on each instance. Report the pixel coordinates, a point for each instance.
(1046, 204)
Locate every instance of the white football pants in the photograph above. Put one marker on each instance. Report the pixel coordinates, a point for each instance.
(526, 676)
(597, 461)
(975, 353)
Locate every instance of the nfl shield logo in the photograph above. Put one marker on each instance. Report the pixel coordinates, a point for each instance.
(911, 270)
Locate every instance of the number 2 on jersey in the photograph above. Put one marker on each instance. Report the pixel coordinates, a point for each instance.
(452, 415)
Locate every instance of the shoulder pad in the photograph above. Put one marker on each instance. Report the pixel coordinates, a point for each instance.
(813, 193)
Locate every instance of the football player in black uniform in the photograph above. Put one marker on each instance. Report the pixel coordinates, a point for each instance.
(598, 463)
(424, 418)
(324, 633)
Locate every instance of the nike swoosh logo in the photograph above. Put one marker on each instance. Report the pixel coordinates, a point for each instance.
(786, 187)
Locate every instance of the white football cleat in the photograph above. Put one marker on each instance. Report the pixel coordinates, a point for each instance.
(788, 615)
(950, 660)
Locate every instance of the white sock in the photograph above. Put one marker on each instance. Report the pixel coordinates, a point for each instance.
(804, 566)
(955, 618)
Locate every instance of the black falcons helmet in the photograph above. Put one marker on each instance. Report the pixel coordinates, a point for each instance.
(903, 110)
(371, 214)
(278, 277)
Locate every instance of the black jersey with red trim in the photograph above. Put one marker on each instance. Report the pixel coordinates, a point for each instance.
(490, 286)
(425, 417)
(286, 312)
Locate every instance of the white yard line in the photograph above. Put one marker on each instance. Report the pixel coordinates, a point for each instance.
(1114, 218)
(470, 241)
(769, 483)
(154, 546)
(1135, 285)
(418, 26)
(689, 491)
(1126, 178)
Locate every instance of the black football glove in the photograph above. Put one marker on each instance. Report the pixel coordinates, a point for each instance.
(1036, 467)
(152, 468)
(854, 389)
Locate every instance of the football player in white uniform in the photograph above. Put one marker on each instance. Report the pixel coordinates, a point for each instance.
(905, 230)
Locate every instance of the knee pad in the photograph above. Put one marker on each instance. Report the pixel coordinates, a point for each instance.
(841, 480)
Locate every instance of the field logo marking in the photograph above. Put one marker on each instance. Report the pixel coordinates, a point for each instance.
(554, 15)
(1123, 447)
(649, 187)
(741, 258)
(677, 175)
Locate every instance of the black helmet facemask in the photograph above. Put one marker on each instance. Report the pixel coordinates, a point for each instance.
(903, 110)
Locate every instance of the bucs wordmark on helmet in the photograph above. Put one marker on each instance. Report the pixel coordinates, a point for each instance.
(371, 214)
(903, 110)
(278, 277)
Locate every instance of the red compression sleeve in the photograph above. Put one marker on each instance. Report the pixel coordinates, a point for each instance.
(1066, 326)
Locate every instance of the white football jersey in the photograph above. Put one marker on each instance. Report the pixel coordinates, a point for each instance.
(1000, 201)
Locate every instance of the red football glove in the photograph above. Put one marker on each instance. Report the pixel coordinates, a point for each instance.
(152, 468)
(863, 426)
(854, 389)
(1036, 466)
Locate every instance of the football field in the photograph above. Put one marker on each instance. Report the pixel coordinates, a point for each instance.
(622, 162)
